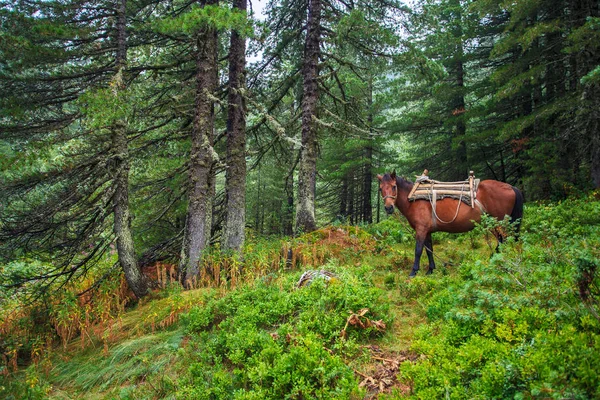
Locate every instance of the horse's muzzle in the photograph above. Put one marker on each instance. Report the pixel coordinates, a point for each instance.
(389, 209)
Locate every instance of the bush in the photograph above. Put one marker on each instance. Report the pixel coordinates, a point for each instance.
(389, 232)
(274, 342)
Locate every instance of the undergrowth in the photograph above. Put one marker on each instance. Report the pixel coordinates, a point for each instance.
(523, 323)
(275, 341)
(517, 326)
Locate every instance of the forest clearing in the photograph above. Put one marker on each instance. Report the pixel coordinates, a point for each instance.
(215, 200)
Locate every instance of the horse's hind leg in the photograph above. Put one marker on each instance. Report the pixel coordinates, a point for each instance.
(500, 237)
(429, 250)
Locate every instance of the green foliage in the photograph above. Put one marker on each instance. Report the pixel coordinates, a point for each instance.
(279, 342)
(214, 16)
(514, 327)
(23, 386)
(592, 77)
(32, 322)
(102, 107)
(389, 232)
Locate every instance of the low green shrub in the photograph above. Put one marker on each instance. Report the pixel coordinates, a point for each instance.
(273, 342)
(390, 231)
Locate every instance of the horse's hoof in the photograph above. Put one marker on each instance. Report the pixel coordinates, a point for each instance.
(412, 274)
(429, 271)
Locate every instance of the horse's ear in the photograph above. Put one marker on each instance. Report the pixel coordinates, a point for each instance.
(393, 174)
(380, 177)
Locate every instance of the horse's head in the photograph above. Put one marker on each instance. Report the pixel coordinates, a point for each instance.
(389, 190)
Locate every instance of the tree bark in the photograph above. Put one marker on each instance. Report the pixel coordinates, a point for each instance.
(305, 211)
(258, 203)
(367, 211)
(595, 140)
(235, 183)
(461, 128)
(458, 102)
(137, 282)
(202, 157)
(367, 205)
(288, 212)
(343, 200)
(350, 200)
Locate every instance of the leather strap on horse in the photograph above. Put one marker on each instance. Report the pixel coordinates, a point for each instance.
(433, 201)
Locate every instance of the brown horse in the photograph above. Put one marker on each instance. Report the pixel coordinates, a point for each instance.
(450, 215)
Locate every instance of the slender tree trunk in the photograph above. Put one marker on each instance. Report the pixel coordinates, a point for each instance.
(378, 207)
(288, 212)
(461, 127)
(367, 205)
(367, 211)
(305, 212)
(594, 130)
(344, 199)
(350, 201)
(258, 204)
(137, 282)
(235, 184)
(202, 157)
(458, 102)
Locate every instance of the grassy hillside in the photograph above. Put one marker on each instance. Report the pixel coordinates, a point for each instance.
(520, 324)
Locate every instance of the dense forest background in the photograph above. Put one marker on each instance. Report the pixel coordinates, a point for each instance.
(182, 144)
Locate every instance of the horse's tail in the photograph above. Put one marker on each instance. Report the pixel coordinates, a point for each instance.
(516, 216)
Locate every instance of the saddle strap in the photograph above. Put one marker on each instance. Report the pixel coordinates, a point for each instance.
(480, 206)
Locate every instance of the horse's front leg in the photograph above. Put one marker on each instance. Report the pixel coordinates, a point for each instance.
(429, 250)
(418, 252)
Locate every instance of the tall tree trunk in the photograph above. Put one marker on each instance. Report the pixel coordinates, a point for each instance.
(378, 207)
(589, 113)
(461, 128)
(258, 204)
(594, 130)
(460, 168)
(367, 205)
(343, 200)
(202, 157)
(305, 212)
(137, 282)
(235, 183)
(350, 201)
(288, 212)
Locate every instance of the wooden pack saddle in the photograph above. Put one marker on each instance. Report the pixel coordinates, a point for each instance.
(429, 189)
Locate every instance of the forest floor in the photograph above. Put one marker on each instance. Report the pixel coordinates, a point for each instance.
(174, 342)
(143, 341)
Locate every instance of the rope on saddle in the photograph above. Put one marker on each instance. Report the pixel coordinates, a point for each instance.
(433, 201)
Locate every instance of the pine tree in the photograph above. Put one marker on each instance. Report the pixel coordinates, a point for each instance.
(65, 93)
(202, 155)
(236, 142)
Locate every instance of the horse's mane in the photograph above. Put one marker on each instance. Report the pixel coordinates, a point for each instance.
(401, 181)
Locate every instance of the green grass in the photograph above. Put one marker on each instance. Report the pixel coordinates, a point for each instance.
(143, 361)
(483, 326)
